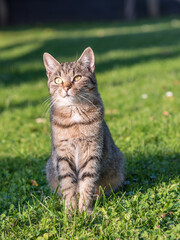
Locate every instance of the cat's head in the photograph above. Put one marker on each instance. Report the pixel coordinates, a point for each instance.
(71, 82)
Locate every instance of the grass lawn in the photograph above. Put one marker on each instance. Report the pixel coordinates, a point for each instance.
(132, 59)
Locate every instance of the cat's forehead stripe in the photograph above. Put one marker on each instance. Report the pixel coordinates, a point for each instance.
(68, 67)
(71, 69)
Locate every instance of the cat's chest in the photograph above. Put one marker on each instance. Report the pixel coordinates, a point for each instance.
(74, 124)
(76, 117)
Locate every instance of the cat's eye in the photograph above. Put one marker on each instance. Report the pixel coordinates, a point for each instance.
(58, 80)
(77, 78)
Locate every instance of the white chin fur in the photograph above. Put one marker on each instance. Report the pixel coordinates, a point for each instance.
(64, 101)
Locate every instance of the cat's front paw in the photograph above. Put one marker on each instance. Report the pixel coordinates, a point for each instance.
(83, 208)
(70, 205)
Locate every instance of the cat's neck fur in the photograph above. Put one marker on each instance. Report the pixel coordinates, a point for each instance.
(81, 113)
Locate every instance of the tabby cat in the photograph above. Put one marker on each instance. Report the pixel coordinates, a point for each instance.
(83, 156)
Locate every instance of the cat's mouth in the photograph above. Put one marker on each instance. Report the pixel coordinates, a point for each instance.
(67, 95)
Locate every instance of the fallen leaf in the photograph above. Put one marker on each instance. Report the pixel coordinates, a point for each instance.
(165, 113)
(34, 183)
(163, 215)
(40, 120)
(111, 111)
(176, 82)
(169, 213)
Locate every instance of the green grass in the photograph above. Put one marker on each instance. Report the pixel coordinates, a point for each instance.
(131, 59)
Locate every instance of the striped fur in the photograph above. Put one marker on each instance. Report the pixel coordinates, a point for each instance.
(83, 155)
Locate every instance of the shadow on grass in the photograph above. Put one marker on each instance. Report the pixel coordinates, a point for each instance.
(27, 103)
(64, 48)
(15, 180)
(143, 172)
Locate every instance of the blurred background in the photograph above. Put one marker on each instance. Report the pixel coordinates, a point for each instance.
(43, 11)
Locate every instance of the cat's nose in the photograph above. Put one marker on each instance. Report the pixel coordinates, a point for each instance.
(66, 88)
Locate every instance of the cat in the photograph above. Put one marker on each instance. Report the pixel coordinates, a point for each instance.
(83, 153)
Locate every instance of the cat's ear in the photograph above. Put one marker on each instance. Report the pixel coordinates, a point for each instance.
(50, 63)
(87, 59)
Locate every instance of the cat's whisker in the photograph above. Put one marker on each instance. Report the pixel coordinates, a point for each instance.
(47, 99)
(47, 108)
(47, 105)
(87, 100)
(45, 102)
(52, 103)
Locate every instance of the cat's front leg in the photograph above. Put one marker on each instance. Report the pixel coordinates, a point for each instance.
(68, 181)
(87, 180)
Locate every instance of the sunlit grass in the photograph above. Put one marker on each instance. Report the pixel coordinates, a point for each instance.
(132, 59)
